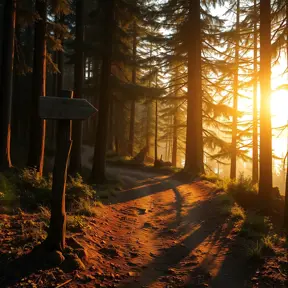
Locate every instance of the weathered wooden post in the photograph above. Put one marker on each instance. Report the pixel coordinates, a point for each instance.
(63, 109)
(57, 228)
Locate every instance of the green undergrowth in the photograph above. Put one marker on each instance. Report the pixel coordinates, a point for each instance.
(115, 159)
(238, 201)
(26, 190)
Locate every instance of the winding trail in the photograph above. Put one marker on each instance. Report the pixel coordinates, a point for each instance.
(159, 231)
(167, 233)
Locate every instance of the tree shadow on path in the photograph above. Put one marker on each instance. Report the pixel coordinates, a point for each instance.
(202, 223)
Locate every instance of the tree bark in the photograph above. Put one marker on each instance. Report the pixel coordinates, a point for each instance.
(57, 229)
(286, 186)
(265, 183)
(133, 102)
(175, 139)
(148, 129)
(111, 127)
(194, 141)
(175, 123)
(99, 163)
(156, 134)
(235, 98)
(255, 163)
(75, 165)
(7, 83)
(37, 125)
(60, 60)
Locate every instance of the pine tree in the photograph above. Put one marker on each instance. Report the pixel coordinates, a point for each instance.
(99, 162)
(133, 102)
(7, 82)
(37, 125)
(235, 95)
(265, 181)
(75, 159)
(255, 166)
(194, 141)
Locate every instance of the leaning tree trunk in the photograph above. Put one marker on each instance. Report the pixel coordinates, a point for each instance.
(235, 98)
(265, 182)
(133, 102)
(75, 159)
(194, 141)
(255, 161)
(99, 161)
(7, 82)
(37, 125)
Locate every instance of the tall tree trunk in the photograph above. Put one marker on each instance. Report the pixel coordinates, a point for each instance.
(156, 134)
(60, 60)
(99, 162)
(175, 138)
(235, 97)
(7, 82)
(175, 122)
(149, 114)
(194, 142)
(111, 127)
(169, 139)
(265, 183)
(75, 159)
(133, 102)
(37, 125)
(148, 128)
(286, 186)
(286, 183)
(255, 164)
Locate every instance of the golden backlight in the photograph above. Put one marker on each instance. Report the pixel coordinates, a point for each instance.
(279, 110)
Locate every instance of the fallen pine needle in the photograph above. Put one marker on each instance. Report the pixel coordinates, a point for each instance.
(63, 284)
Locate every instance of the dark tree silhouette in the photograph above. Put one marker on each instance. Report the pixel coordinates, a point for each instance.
(7, 82)
(235, 96)
(37, 125)
(255, 166)
(194, 145)
(265, 181)
(133, 102)
(75, 160)
(99, 163)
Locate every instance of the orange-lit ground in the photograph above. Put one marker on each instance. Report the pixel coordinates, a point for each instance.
(163, 231)
(168, 234)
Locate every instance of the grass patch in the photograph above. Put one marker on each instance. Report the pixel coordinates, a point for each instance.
(76, 223)
(243, 185)
(77, 191)
(87, 207)
(254, 251)
(268, 243)
(34, 193)
(237, 213)
(213, 178)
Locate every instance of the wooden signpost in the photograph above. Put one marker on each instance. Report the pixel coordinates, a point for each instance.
(63, 109)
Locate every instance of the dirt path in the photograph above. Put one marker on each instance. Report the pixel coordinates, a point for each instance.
(160, 231)
(166, 233)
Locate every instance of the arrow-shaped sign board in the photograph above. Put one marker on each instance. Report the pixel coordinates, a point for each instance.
(65, 109)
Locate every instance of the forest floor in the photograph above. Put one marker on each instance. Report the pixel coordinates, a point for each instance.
(158, 231)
